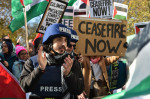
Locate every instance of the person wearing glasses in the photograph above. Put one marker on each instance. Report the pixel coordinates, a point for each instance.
(72, 46)
(22, 56)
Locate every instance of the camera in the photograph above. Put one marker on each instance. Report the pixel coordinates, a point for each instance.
(60, 58)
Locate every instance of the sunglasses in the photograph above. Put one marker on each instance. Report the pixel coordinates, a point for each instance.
(74, 46)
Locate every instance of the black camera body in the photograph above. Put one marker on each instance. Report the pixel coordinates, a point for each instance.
(60, 58)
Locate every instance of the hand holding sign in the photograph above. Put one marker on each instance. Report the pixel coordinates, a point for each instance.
(67, 65)
(42, 59)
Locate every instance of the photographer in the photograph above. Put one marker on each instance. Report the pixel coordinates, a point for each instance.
(41, 69)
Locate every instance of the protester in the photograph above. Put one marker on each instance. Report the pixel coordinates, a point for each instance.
(72, 46)
(31, 50)
(95, 67)
(70, 49)
(117, 74)
(36, 69)
(22, 55)
(7, 54)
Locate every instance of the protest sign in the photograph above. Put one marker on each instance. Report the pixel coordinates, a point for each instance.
(101, 8)
(53, 14)
(139, 26)
(120, 11)
(68, 17)
(100, 36)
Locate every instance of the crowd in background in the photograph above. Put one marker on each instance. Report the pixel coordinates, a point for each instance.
(98, 71)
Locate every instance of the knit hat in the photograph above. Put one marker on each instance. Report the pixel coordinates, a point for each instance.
(19, 48)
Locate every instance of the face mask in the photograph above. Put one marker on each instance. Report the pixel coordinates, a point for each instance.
(95, 60)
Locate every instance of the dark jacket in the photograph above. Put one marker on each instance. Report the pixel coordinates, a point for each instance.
(10, 60)
(31, 75)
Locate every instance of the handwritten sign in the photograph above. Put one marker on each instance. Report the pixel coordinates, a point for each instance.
(101, 8)
(100, 36)
(53, 14)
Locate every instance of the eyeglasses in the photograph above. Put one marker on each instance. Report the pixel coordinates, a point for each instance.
(74, 46)
(23, 53)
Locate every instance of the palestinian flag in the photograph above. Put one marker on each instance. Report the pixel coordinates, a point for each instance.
(138, 56)
(139, 26)
(80, 7)
(120, 11)
(9, 86)
(33, 8)
(80, 2)
(80, 13)
(68, 17)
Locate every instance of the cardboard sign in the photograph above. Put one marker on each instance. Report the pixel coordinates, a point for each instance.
(68, 17)
(100, 36)
(140, 26)
(53, 14)
(101, 8)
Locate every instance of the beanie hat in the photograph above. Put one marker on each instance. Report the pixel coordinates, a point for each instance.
(56, 30)
(9, 45)
(19, 49)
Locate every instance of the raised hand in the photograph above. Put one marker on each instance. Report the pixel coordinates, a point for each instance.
(67, 65)
(42, 59)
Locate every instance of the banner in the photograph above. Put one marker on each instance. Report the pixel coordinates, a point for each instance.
(53, 14)
(101, 8)
(9, 85)
(100, 36)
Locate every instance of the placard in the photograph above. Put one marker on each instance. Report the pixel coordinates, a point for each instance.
(101, 8)
(53, 14)
(120, 11)
(100, 36)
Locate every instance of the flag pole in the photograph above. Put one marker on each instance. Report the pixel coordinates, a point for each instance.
(26, 28)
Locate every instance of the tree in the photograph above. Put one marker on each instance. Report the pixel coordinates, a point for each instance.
(138, 11)
(6, 18)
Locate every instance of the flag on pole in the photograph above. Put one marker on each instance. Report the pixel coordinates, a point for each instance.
(120, 11)
(9, 86)
(33, 8)
(138, 59)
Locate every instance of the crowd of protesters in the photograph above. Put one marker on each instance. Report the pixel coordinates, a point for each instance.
(81, 74)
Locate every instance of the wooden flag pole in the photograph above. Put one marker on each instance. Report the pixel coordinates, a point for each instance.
(26, 28)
